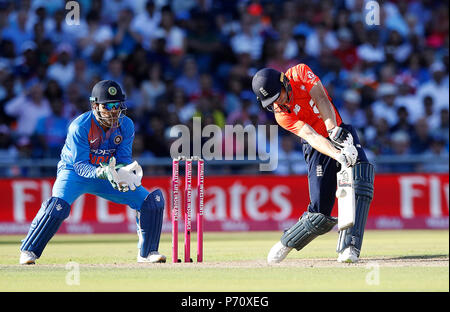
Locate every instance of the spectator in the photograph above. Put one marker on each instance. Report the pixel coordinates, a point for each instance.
(441, 127)
(139, 150)
(320, 40)
(182, 107)
(96, 38)
(407, 99)
(400, 145)
(146, 23)
(71, 99)
(28, 108)
(385, 106)
(152, 88)
(437, 87)
(246, 39)
(351, 112)
(58, 33)
(277, 60)
(174, 35)
(5, 75)
(17, 31)
(155, 138)
(243, 115)
(8, 151)
(379, 142)
(403, 123)
(300, 40)
(372, 51)
(82, 75)
(436, 150)
(7, 53)
(51, 131)
(189, 81)
(428, 111)
(112, 10)
(115, 71)
(133, 94)
(27, 63)
(125, 38)
(421, 137)
(63, 70)
(396, 48)
(53, 90)
(346, 51)
(232, 100)
(203, 42)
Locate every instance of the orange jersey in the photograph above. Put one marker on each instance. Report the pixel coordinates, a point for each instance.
(303, 108)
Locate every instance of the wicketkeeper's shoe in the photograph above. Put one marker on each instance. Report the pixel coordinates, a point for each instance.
(348, 255)
(277, 253)
(27, 257)
(153, 257)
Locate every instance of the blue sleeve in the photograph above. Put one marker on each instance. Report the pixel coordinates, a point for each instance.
(125, 149)
(77, 141)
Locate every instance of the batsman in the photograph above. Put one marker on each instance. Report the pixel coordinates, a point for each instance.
(97, 159)
(301, 105)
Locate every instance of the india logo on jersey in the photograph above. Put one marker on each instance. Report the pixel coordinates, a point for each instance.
(118, 139)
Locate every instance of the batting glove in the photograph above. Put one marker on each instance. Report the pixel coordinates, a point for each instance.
(340, 137)
(347, 156)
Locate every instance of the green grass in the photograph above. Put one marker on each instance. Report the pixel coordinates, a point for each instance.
(391, 261)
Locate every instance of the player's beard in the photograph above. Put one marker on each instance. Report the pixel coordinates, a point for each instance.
(110, 119)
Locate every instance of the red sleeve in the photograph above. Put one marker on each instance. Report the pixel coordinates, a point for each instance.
(303, 74)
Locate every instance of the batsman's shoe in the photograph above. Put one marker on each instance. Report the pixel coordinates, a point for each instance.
(348, 255)
(27, 257)
(153, 257)
(277, 253)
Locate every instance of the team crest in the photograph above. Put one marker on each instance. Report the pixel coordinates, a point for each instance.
(118, 139)
(112, 90)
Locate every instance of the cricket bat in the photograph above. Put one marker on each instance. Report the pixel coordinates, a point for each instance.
(345, 194)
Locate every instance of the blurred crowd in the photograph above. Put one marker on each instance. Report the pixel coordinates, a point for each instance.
(195, 58)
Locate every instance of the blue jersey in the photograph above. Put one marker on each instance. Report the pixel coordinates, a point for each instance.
(87, 145)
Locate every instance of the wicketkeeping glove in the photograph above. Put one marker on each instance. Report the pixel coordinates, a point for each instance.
(108, 172)
(130, 176)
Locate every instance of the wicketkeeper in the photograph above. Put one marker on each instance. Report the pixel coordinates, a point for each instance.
(96, 159)
(302, 106)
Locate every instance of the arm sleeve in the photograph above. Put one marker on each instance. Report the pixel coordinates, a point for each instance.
(302, 73)
(77, 140)
(125, 149)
